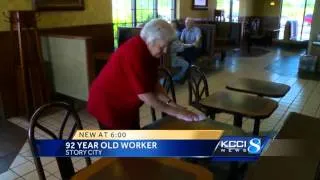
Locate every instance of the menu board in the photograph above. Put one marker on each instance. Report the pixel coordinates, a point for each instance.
(200, 4)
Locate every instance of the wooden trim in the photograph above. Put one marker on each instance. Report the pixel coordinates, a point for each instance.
(90, 62)
(68, 36)
(50, 6)
(102, 34)
(52, 29)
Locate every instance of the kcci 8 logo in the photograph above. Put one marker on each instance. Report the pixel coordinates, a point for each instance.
(254, 146)
(242, 145)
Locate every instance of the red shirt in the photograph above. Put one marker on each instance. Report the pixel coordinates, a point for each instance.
(113, 98)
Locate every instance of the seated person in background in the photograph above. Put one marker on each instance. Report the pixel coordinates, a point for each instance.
(191, 37)
(178, 61)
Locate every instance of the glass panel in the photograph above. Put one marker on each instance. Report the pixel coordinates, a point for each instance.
(121, 16)
(144, 10)
(308, 20)
(165, 9)
(235, 10)
(293, 11)
(224, 5)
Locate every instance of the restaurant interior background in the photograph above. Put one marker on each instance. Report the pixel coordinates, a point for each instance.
(76, 38)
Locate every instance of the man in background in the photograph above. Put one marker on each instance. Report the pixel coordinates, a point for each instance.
(191, 37)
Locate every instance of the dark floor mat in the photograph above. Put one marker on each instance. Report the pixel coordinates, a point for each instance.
(213, 64)
(289, 66)
(12, 138)
(254, 52)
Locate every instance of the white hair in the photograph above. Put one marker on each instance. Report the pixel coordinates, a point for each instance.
(157, 29)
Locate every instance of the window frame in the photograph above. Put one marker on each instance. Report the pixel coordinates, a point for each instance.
(134, 22)
(231, 11)
(303, 20)
(154, 9)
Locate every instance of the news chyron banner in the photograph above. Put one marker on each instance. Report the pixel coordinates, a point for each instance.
(155, 143)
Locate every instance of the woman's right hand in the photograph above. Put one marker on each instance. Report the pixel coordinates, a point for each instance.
(190, 116)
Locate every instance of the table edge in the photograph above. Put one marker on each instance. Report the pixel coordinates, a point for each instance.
(85, 173)
(259, 94)
(249, 116)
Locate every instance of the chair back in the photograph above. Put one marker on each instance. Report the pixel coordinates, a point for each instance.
(2, 116)
(125, 33)
(165, 61)
(168, 85)
(198, 85)
(38, 126)
(208, 38)
(317, 175)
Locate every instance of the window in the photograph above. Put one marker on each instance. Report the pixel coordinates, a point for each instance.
(130, 13)
(231, 9)
(300, 13)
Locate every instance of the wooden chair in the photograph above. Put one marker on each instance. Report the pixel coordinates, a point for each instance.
(198, 89)
(64, 164)
(168, 85)
(208, 41)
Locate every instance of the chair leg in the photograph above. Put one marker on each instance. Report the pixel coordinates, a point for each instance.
(237, 121)
(211, 115)
(223, 55)
(256, 127)
(233, 173)
(153, 115)
(237, 171)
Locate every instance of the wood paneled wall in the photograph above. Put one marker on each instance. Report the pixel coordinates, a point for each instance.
(102, 40)
(8, 87)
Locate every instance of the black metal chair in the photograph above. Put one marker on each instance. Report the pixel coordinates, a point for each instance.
(168, 85)
(198, 89)
(65, 165)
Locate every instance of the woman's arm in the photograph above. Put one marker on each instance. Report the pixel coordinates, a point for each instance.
(163, 96)
(152, 100)
(161, 93)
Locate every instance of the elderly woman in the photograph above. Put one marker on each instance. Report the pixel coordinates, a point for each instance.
(130, 79)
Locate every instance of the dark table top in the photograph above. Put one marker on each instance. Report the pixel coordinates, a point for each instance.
(303, 162)
(283, 168)
(171, 123)
(143, 169)
(260, 88)
(299, 126)
(240, 104)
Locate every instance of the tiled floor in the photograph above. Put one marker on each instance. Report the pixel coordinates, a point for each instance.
(303, 97)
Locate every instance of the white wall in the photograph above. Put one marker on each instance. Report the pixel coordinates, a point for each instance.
(68, 59)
